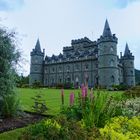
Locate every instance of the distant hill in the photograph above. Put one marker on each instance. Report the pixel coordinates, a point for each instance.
(137, 74)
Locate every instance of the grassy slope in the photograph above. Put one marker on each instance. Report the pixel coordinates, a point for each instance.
(53, 101)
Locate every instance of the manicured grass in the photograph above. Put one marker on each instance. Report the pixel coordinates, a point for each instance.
(51, 96)
(11, 135)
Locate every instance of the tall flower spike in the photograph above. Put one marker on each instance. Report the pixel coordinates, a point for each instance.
(91, 94)
(71, 99)
(62, 96)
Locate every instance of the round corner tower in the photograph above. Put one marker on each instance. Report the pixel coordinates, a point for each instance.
(107, 58)
(128, 66)
(36, 66)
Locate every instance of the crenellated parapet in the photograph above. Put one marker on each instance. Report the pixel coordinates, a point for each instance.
(82, 40)
(112, 38)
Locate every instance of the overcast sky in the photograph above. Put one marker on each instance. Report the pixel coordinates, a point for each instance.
(57, 22)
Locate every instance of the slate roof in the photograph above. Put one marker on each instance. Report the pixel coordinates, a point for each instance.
(107, 31)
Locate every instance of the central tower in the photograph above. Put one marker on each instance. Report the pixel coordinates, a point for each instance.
(107, 58)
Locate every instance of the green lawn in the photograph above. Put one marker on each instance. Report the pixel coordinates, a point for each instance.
(51, 96)
(53, 102)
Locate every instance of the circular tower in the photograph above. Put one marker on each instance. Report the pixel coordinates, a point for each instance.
(36, 66)
(128, 66)
(107, 58)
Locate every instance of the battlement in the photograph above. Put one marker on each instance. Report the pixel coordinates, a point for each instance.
(82, 40)
(67, 48)
(112, 38)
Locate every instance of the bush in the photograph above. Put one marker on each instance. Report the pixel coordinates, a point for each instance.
(121, 128)
(39, 104)
(9, 106)
(94, 112)
(68, 86)
(55, 129)
(59, 86)
(131, 107)
(36, 84)
(9, 57)
(133, 92)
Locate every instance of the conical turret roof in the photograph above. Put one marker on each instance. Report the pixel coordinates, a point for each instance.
(37, 46)
(107, 31)
(127, 51)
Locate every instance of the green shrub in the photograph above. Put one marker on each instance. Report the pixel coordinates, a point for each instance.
(36, 84)
(93, 112)
(121, 128)
(133, 92)
(9, 106)
(55, 129)
(9, 57)
(39, 104)
(131, 107)
(120, 87)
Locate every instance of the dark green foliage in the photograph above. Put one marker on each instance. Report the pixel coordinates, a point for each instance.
(120, 87)
(55, 129)
(39, 104)
(68, 86)
(95, 112)
(9, 106)
(22, 81)
(9, 57)
(133, 92)
(137, 75)
(36, 84)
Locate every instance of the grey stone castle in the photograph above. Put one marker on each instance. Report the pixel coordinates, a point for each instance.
(93, 62)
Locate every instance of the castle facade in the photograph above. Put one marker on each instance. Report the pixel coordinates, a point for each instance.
(85, 61)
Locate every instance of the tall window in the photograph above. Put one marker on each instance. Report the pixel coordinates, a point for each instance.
(77, 67)
(86, 67)
(112, 79)
(68, 68)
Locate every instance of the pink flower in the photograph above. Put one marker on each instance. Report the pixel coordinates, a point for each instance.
(71, 99)
(91, 94)
(62, 96)
(83, 92)
(86, 90)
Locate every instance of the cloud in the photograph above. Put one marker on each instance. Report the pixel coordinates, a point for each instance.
(123, 3)
(8, 5)
(119, 4)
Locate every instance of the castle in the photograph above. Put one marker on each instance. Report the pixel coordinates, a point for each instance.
(93, 62)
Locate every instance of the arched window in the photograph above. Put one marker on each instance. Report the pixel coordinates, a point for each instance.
(112, 79)
(131, 72)
(111, 62)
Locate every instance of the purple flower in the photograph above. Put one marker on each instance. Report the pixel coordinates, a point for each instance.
(71, 99)
(86, 90)
(62, 96)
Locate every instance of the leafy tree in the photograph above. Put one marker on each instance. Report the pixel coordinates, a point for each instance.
(9, 57)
